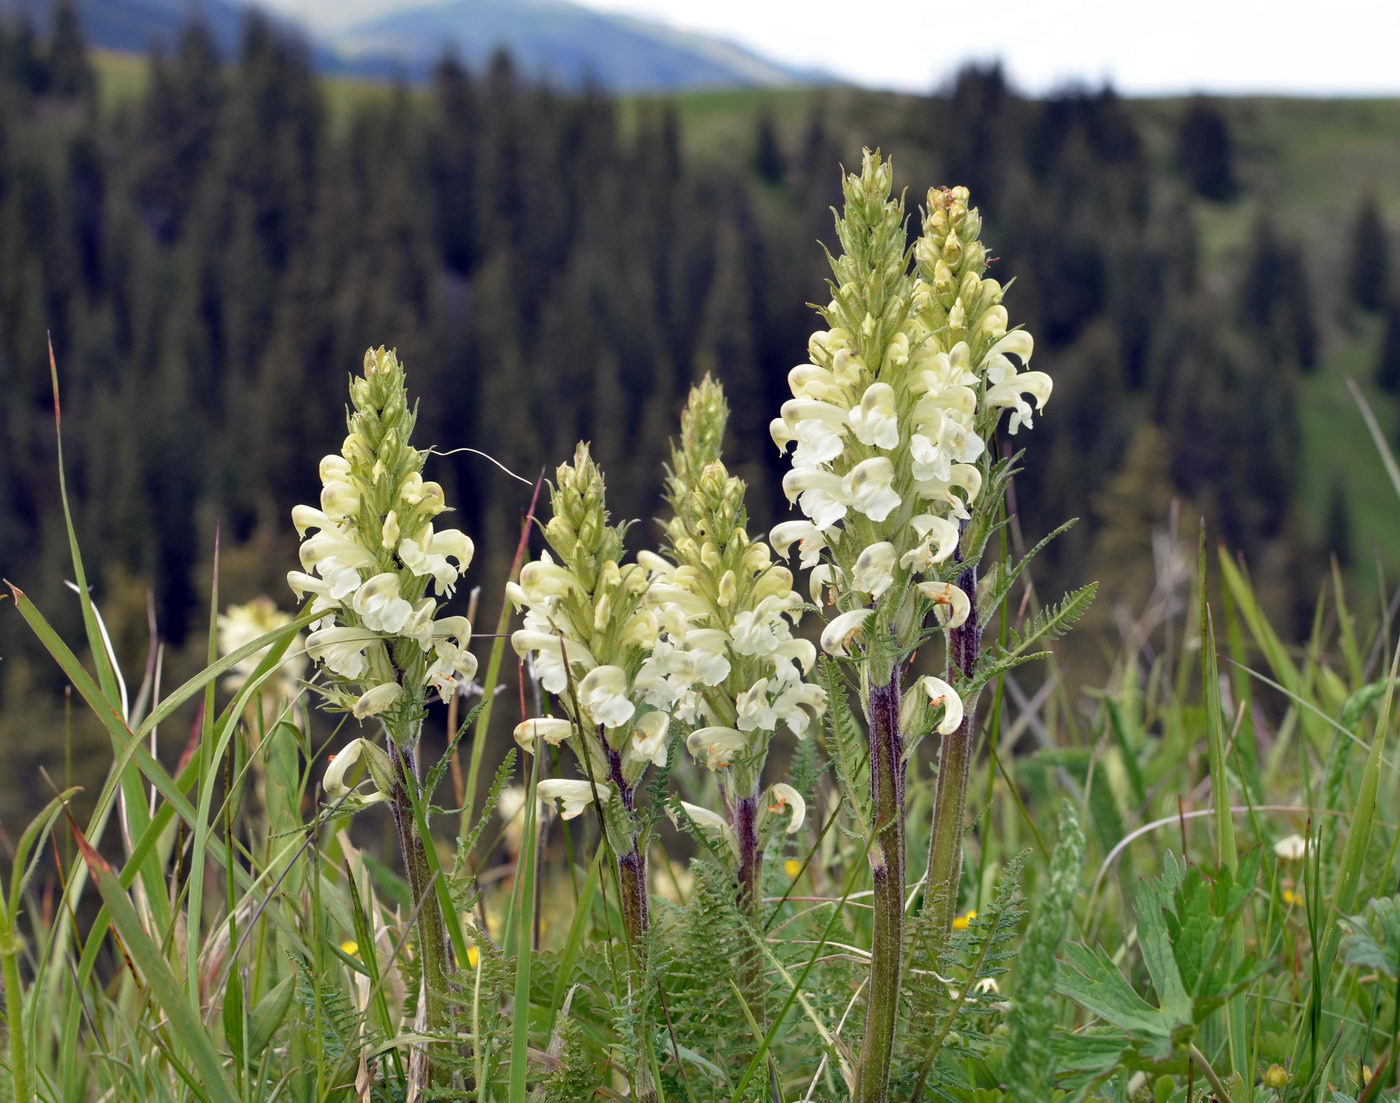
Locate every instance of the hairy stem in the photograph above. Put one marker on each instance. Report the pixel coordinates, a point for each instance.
(14, 1013)
(744, 814)
(432, 931)
(636, 908)
(750, 860)
(954, 763)
(887, 866)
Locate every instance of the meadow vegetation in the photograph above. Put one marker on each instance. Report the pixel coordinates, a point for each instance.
(767, 828)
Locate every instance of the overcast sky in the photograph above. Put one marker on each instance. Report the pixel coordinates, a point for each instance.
(1308, 47)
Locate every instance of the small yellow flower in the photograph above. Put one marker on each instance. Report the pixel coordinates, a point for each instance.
(792, 867)
(1276, 1076)
(962, 922)
(350, 946)
(1290, 897)
(473, 956)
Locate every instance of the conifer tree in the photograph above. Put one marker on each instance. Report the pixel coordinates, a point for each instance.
(70, 72)
(1205, 152)
(768, 160)
(1388, 364)
(1368, 270)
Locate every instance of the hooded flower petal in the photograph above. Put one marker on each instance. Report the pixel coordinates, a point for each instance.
(380, 606)
(784, 798)
(342, 649)
(950, 604)
(718, 745)
(649, 742)
(551, 729)
(603, 692)
(940, 693)
(333, 783)
(874, 569)
(711, 824)
(841, 630)
(869, 488)
(571, 796)
(379, 699)
(874, 421)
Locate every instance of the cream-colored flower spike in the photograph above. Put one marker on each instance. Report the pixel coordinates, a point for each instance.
(593, 642)
(892, 418)
(737, 605)
(739, 610)
(370, 557)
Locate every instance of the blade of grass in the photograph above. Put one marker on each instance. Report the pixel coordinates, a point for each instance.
(184, 1020)
(523, 910)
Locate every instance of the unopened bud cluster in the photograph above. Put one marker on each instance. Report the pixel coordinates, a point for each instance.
(375, 565)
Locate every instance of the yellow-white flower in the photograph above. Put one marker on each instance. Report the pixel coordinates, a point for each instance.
(380, 606)
(341, 648)
(337, 559)
(379, 699)
(712, 825)
(816, 427)
(938, 540)
(603, 692)
(950, 605)
(942, 695)
(545, 580)
(784, 798)
(551, 729)
(1293, 848)
(809, 539)
(1009, 394)
(454, 664)
(874, 421)
(571, 796)
(717, 744)
(429, 553)
(240, 625)
(334, 780)
(870, 488)
(649, 742)
(550, 652)
(842, 629)
(874, 569)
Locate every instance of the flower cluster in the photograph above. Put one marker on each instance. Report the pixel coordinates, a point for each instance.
(371, 555)
(596, 644)
(240, 625)
(890, 418)
(738, 609)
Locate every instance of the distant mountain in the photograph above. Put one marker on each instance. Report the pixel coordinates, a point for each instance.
(138, 25)
(561, 42)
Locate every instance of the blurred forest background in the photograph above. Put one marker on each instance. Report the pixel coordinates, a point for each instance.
(213, 244)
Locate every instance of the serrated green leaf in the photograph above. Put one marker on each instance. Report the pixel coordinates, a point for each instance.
(1095, 983)
(1053, 621)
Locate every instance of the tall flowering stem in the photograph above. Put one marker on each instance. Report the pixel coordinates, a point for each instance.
(738, 609)
(370, 556)
(889, 422)
(617, 672)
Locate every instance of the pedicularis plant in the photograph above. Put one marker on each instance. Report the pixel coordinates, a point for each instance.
(375, 556)
(736, 987)
(893, 423)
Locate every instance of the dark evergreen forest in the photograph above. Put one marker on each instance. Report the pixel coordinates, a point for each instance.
(213, 257)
